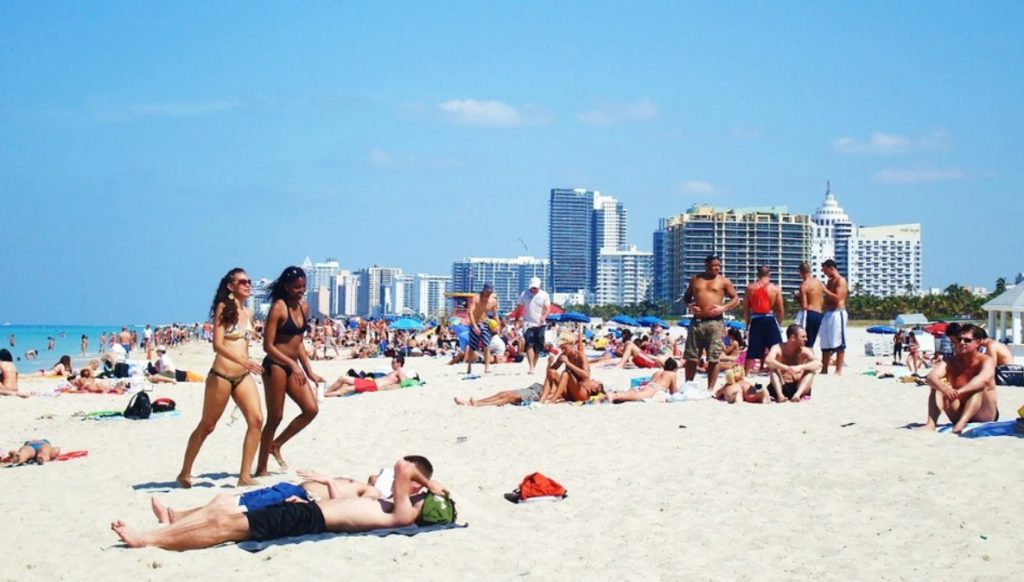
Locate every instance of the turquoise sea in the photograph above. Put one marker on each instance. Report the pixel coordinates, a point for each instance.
(68, 340)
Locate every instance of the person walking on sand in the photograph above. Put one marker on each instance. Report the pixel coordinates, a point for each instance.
(481, 308)
(229, 375)
(536, 306)
(833, 321)
(810, 296)
(704, 298)
(286, 368)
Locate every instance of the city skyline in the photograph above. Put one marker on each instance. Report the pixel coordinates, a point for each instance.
(141, 162)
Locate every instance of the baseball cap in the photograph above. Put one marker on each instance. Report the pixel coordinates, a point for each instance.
(488, 288)
(535, 283)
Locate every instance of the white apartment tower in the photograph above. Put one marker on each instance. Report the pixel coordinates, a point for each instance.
(885, 260)
(624, 276)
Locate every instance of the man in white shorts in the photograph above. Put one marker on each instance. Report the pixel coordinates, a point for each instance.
(833, 320)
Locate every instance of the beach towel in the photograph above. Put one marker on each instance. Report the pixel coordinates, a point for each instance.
(105, 415)
(689, 391)
(976, 430)
(257, 546)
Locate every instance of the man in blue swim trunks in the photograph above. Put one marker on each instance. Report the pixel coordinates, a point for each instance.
(315, 487)
(481, 309)
(221, 521)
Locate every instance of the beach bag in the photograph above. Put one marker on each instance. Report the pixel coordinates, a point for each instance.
(164, 405)
(121, 370)
(1010, 375)
(537, 485)
(437, 510)
(139, 407)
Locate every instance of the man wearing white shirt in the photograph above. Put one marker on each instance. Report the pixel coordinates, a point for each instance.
(536, 305)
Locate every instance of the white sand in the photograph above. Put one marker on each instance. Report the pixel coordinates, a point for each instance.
(763, 492)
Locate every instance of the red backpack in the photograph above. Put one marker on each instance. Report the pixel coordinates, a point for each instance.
(537, 485)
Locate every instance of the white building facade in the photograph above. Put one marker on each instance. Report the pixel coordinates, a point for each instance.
(428, 294)
(885, 260)
(624, 276)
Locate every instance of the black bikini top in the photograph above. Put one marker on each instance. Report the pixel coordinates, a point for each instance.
(288, 327)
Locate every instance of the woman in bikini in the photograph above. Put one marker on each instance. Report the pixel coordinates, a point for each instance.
(286, 369)
(229, 375)
(660, 386)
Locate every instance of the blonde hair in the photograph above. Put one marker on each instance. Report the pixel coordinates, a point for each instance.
(734, 374)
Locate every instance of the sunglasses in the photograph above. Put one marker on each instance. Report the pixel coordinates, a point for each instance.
(964, 340)
(243, 281)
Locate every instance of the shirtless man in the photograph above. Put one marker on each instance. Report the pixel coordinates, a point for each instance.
(810, 296)
(9, 376)
(345, 385)
(316, 486)
(792, 366)
(480, 308)
(763, 312)
(532, 393)
(223, 521)
(964, 388)
(833, 320)
(704, 298)
(125, 339)
(996, 349)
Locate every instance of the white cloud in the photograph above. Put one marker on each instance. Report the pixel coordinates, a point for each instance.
(919, 175)
(182, 108)
(490, 113)
(611, 114)
(881, 143)
(697, 188)
(380, 158)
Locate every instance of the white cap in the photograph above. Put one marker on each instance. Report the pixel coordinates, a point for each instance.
(535, 283)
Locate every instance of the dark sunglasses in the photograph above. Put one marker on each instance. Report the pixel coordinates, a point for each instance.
(964, 340)
(243, 281)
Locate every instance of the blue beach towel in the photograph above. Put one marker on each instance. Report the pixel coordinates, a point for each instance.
(256, 546)
(107, 415)
(993, 429)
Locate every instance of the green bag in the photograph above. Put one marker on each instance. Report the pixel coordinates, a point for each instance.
(437, 510)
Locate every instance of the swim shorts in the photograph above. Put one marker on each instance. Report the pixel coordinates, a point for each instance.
(479, 342)
(531, 394)
(705, 335)
(534, 338)
(285, 520)
(365, 385)
(811, 322)
(268, 496)
(833, 331)
(36, 444)
(764, 333)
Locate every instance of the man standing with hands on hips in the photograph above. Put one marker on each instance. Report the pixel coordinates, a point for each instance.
(536, 306)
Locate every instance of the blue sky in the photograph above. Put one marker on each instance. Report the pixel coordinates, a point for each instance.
(146, 149)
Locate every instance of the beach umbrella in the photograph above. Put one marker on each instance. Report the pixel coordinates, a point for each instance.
(648, 320)
(574, 317)
(735, 324)
(557, 309)
(937, 328)
(885, 329)
(407, 324)
(685, 322)
(554, 317)
(625, 320)
(455, 321)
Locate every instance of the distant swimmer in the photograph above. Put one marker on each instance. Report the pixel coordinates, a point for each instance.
(10, 340)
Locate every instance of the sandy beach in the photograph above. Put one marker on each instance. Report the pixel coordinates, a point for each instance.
(831, 488)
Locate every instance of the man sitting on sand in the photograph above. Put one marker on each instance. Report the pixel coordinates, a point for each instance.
(964, 388)
(315, 487)
(346, 385)
(222, 520)
(793, 366)
(574, 383)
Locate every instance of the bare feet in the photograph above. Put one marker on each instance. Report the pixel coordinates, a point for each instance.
(275, 451)
(129, 536)
(172, 516)
(247, 482)
(159, 510)
(184, 481)
(928, 427)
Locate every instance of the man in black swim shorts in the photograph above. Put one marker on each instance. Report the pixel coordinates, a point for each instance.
(793, 366)
(221, 522)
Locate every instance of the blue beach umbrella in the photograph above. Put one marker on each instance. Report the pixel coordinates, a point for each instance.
(575, 317)
(735, 324)
(407, 324)
(625, 320)
(554, 318)
(684, 322)
(649, 320)
(884, 329)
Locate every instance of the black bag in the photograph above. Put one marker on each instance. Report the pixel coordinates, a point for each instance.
(139, 407)
(1010, 375)
(121, 370)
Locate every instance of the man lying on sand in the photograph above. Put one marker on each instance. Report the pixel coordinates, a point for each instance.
(222, 520)
(316, 487)
(345, 385)
(792, 365)
(964, 388)
(534, 392)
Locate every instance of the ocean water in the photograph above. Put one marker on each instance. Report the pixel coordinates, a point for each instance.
(69, 341)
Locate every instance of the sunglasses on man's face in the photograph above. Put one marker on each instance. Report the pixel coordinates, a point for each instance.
(965, 340)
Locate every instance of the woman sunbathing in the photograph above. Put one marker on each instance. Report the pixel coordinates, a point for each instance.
(662, 384)
(39, 450)
(85, 382)
(61, 368)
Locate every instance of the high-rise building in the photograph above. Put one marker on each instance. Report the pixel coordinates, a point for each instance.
(624, 276)
(609, 230)
(743, 238)
(885, 260)
(832, 229)
(510, 277)
(375, 288)
(259, 300)
(347, 294)
(320, 275)
(401, 296)
(662, 285)
(428, 294)
(570, 239)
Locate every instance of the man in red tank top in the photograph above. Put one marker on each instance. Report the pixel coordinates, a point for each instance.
(763, 311)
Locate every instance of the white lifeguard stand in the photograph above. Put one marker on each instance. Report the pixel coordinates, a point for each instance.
(1004, 319)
